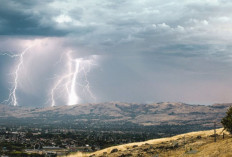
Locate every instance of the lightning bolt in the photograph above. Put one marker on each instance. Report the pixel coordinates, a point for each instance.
(73, 98)
(12, 99)
(68, 82)
(56, 86)
(87, 86)
(9, 55)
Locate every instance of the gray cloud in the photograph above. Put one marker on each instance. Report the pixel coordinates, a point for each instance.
(159, 50)
(23, 18)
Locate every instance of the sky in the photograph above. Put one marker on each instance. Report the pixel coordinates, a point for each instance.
(139, 51)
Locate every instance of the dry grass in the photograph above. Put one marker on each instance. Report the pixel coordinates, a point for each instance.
(197, 144)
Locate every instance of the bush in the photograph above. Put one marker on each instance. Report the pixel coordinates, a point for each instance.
(227, 120)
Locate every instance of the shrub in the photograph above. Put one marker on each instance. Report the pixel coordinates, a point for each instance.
(227, 120)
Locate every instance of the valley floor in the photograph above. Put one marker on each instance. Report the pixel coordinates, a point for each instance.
(197, 144)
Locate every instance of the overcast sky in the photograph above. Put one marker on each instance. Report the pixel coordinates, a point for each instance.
(140, 50)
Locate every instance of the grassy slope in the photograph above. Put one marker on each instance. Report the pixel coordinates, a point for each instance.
(197, 144)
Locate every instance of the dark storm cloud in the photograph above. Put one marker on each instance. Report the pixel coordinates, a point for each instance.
(36, 18)
(22, 18)
(160, 50)
(105, 24)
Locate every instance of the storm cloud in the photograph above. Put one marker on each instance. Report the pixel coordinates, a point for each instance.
(148, 50)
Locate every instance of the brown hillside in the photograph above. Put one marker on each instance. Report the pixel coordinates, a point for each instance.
(197, 144)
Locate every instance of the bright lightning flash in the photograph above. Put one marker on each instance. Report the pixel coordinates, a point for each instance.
(73, 98)
(71, 81)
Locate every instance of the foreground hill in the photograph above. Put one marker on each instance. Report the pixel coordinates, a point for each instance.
(118, 113)
(197, 144)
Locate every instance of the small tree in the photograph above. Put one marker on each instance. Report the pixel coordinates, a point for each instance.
(227, 120)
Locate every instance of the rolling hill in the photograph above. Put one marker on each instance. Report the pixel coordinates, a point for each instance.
(118, 113)
(193, 144)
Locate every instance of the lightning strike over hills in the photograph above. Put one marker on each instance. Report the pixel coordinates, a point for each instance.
(12, 99)
(72, 82)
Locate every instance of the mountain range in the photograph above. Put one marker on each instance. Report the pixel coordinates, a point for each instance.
(164, 113)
